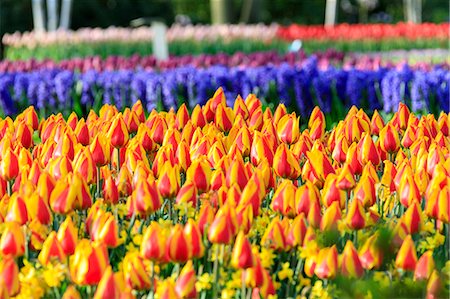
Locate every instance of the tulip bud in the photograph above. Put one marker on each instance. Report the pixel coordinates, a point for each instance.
(24, 134)
(134, 271)
(13, 240)
(331, 192)
(166, 290)
(68, 236)
(224, 117)
(9, 276)
(37, 208)
(108, 286)
(331, 217)
(145, 199)
(406, 257)
(194, 237)
(169, 180)
(368, 151)
(51, 250)
(283, 200)
(389, 139)
(100, 150)
(89, 263)
(297, 231)
(223, 227)
(356, 218)
(17, 210)
(377, 123)
(105, 230)
(200, 174)
(178, 247)
(242, 255)
(185, 284)
(350, 264)
(285, 164)
(274, 236)
(320, 164)
(9, 165)
(288, 128)
(346, 180)
(327, 263)
(370, 254)
(424, 266)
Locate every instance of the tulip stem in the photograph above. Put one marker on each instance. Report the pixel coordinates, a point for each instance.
(8, 187)
(243, 285)
(215, 268)
(98, 181)
(118, 161)
(153, 280)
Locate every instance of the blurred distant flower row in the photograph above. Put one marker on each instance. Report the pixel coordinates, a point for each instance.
(366, 31)
(424, 59)
(300, 86)
(223, 38)
(130, 35)
(225, 201)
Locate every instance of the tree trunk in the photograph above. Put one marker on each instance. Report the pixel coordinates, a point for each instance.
(52, 15)
(330, 13)
(220, 11)
(38, 15)
(66, 7)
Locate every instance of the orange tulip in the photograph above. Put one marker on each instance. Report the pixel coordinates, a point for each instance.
(288, 128)
(370, 254)
(100, 150)
(331, 217)
(356, 218)
(51, 249)
(178, 248)
(13, 240)
(105, 229)
(242, 255)
(9, 165)
(297, 231)
(407, 257)
(194, 236)
(425, 266)
(224, 226)
(283, 200)
(134, 272)
(327, 263)
(185, 284)
(377, 123)
(223, 117)
(200, 174)
(350, 263)
(68, 236)
(108, 286)
(9, 276)
(389, 139)
(17, 210)
(89, 263)
(274, 236)
(285, 164)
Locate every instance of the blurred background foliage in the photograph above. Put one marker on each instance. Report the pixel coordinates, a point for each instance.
(16, 15)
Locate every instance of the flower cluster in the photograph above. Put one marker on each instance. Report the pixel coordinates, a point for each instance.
(408, 31)
(301, 86)
(224, 201)
(149, 62)
(129, 35)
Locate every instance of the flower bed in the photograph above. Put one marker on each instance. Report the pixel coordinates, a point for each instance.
(229, 39)
(224, 201)
(299, 87)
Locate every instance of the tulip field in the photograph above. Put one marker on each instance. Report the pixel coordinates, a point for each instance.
(224, 201)
(247, 171)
